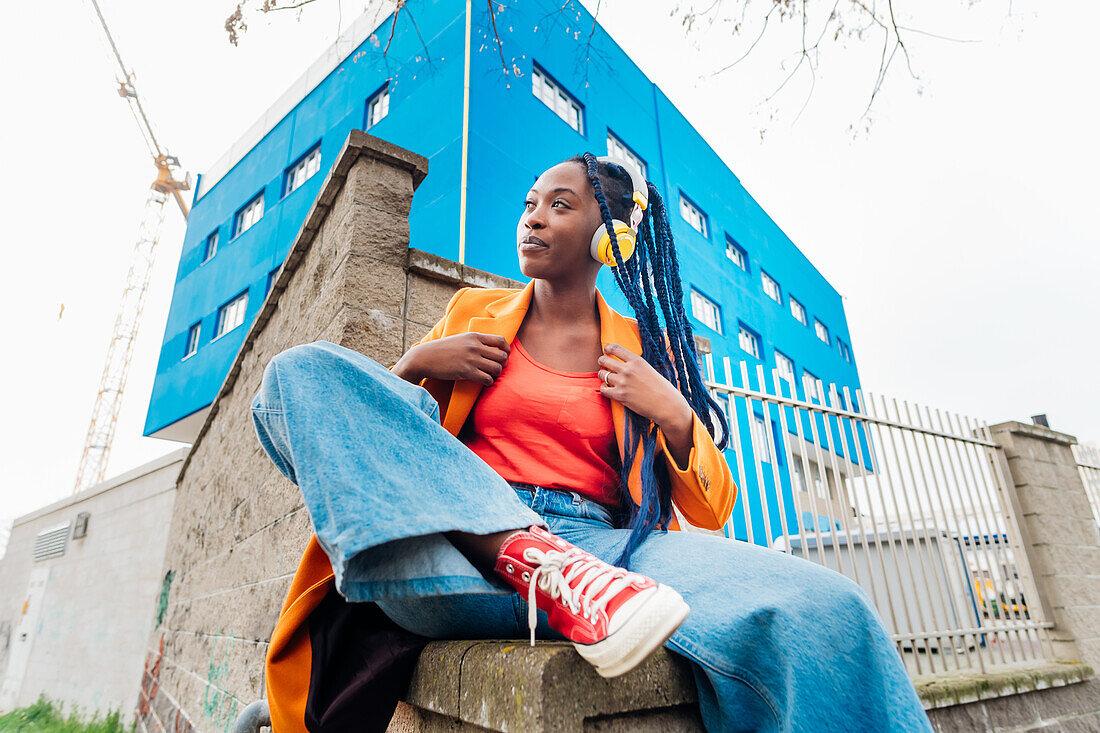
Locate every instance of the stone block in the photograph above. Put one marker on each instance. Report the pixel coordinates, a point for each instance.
(972, 717)
(372, 332)
(369, 284)
(428, 298)
(369, 231)
(1082, 724)
(1057, 502)
(1028, 472)
(1059, 559)
(1065, 530)
(381, 186)
(414, 332)
(509, 686)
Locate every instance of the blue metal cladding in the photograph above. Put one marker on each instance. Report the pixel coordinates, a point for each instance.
(513, 137)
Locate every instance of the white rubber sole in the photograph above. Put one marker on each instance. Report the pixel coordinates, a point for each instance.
(647, 629)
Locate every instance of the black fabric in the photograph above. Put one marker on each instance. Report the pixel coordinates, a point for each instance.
(362, 664)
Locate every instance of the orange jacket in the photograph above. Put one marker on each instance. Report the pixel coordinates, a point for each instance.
(703, 491)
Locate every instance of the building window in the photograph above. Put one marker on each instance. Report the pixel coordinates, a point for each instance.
(249, 214)
(693, 215)
(231, 315)
(818, 485)
(270, 280)
(748, 341)
(771, 287)
(555, 98)
(812, 387)
(616, 148)
(736, 254)
(821, 331)
(210, 248)
(798, 311)
(785, 367)
(192, 340)
(378, 106)
(706, 311)
(303, 170)
(760, 438)
(845, 351)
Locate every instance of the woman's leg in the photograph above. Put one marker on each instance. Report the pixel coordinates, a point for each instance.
(778, 643)
(382, 480)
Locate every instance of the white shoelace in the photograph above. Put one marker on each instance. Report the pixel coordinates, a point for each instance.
(594, 576)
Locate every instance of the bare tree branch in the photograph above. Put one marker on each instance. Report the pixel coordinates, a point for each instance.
(496, 36)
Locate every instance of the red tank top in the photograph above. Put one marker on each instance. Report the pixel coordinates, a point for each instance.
(546, 427)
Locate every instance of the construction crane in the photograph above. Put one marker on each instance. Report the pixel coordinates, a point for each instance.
(101, 430)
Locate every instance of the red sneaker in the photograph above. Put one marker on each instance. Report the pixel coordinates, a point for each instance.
(614, 618)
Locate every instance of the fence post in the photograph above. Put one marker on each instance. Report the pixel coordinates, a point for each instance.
(1058, 533)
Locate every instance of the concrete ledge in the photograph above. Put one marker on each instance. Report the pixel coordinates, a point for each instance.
(510, 686)
(941, 691)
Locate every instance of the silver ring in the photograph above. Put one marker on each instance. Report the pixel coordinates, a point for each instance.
(606, 374)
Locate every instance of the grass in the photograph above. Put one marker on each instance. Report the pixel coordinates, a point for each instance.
(45, 717)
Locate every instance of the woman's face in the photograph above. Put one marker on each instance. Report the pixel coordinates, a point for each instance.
(555, 230)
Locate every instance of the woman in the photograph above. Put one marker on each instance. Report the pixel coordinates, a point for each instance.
(577, 432)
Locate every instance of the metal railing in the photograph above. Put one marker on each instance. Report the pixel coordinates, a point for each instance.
(1088, 465)
(909, 502)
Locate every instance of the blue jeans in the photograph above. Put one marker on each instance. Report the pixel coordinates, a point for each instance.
(777, 643)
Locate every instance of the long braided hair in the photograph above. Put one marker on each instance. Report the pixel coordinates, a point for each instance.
(650, 280)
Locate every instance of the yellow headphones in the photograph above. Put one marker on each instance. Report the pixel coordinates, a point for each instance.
(626, 233)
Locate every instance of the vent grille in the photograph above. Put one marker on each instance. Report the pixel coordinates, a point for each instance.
(51, 543)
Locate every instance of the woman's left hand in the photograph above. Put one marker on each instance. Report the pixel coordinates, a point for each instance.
(632, 381)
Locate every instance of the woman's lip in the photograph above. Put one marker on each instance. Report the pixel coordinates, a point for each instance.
(531, 246)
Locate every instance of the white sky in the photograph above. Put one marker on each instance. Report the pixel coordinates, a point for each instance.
(956, 229)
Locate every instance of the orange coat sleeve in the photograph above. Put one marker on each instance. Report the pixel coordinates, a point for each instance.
(704, 490)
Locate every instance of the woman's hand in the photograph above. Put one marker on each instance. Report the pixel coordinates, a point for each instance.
(630, 380)
(477, 357)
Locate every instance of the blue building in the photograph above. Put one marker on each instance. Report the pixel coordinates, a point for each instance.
(487, 135)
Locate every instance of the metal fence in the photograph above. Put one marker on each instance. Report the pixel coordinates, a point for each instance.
(907, 501)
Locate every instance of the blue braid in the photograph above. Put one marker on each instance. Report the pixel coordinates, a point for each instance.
(648, 279)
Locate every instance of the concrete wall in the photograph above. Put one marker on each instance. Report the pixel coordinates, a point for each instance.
(239, 526)
(79, 636)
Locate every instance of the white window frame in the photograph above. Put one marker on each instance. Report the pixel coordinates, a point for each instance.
(616, 148)
(231, 315)
(210, 247)
(811, 385)
(378, 106)
(784, 366)
(302, 171)
(706, 311)
(798, 311)
(748, 341)
(194, 333)
(735, 253)
(771, 287)
(759, 427)
(845, 351)
(693, 215)
(248, 215)
(821, 331)
(558, 100)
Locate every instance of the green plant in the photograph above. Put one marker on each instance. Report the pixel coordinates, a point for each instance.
(44, 716)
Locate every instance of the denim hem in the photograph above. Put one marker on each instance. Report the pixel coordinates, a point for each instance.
(346, 551)
(395, 590)
(736, 673)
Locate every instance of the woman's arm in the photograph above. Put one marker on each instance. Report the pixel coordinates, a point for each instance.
(477, 357)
